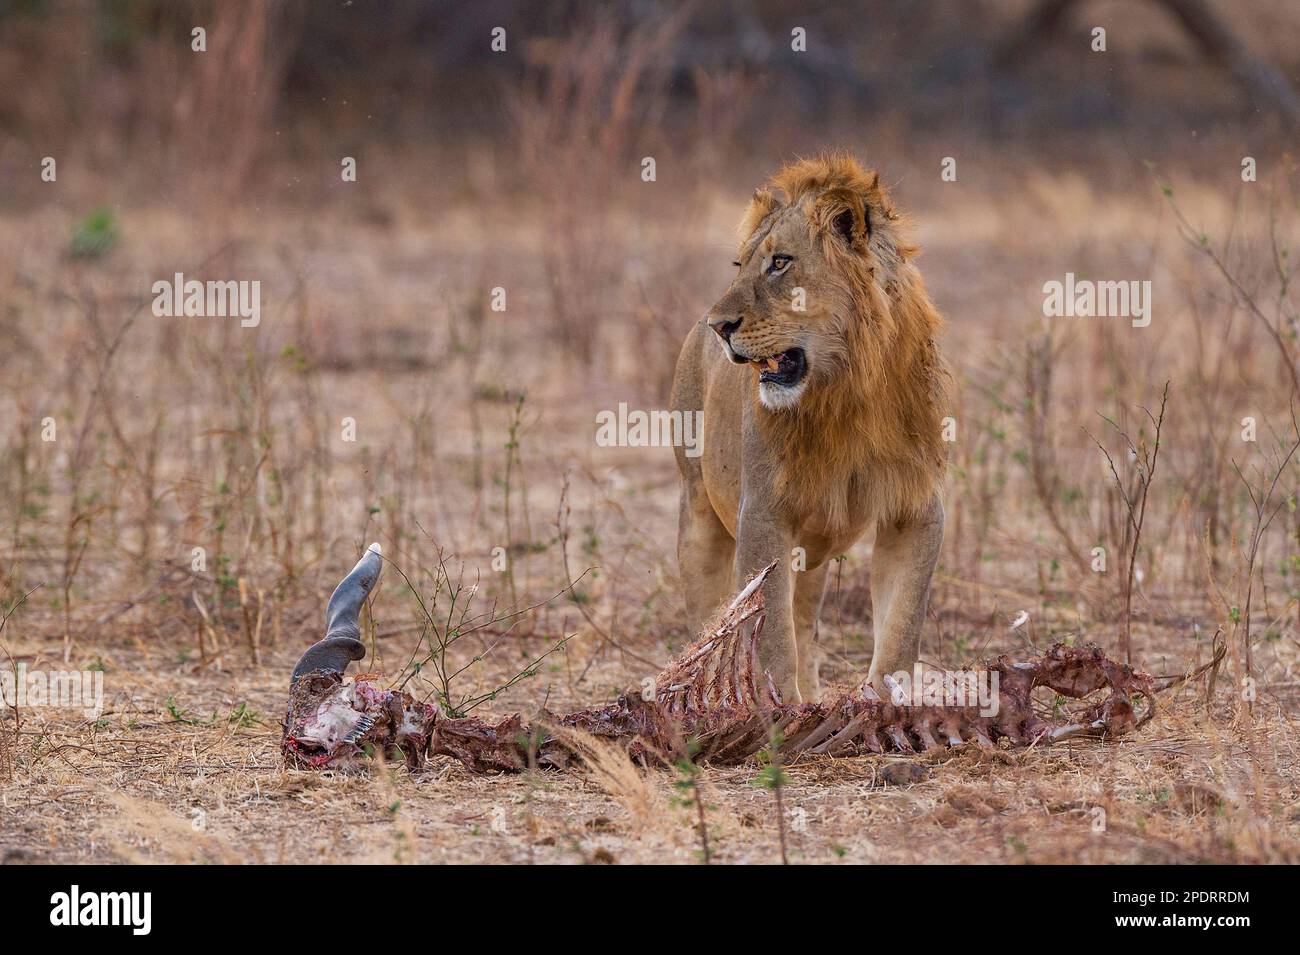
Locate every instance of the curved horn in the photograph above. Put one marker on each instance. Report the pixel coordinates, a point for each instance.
(342, 644)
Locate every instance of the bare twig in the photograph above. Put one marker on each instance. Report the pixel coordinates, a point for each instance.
(1135, 506)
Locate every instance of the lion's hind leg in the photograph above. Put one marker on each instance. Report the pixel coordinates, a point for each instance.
(808, 589)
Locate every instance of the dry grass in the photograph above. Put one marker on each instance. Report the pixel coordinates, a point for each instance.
(150, 789)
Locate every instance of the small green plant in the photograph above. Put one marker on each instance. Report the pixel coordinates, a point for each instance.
(178, 714)
(688, 784)
(243, 716)
(95, 234)
(773, 777)
(441, 629)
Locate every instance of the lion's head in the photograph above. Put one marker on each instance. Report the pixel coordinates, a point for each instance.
(824, 281)
(832, 315)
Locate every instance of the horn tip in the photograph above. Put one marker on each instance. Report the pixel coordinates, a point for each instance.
(374, 549)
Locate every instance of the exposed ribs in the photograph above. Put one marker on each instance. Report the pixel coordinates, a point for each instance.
(714, 703)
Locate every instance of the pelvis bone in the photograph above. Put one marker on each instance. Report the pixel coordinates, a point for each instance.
(712, 703)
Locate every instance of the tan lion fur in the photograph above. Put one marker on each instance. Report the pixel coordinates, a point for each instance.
(860, 444)
(838, 435)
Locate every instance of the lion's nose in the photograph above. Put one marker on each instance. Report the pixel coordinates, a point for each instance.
(725, 328)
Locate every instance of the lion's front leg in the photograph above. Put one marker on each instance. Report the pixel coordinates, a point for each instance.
(760, 539)
(902, 565)
(705, 556)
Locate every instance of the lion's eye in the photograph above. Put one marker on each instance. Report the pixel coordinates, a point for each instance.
(736, 263)
(779, 263)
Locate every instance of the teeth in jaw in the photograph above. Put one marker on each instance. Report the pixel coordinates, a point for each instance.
(769, 364)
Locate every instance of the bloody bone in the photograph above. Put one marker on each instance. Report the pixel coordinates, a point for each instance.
(332, 723)
(715, 695)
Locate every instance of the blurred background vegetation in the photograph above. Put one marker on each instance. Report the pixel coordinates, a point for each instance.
(113, 84)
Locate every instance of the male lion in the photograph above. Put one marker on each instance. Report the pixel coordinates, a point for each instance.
(822, 391)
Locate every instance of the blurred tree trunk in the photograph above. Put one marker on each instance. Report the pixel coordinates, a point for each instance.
(1211, 32)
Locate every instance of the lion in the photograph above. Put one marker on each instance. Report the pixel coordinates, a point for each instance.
(823, 394)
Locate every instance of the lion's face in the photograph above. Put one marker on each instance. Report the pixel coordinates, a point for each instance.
(785, 313)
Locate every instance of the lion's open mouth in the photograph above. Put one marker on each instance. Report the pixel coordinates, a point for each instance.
(786, 369)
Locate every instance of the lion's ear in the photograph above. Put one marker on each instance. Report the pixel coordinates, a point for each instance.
(844, 213)
(846, 225)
